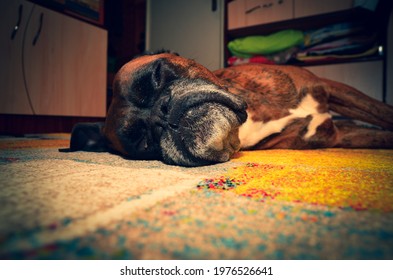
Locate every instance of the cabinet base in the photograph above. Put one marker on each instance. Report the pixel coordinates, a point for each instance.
(27, 124)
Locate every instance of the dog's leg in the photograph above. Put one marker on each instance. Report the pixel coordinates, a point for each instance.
(352, 103)
(351, 135)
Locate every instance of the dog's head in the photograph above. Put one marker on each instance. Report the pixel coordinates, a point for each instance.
(169, 108)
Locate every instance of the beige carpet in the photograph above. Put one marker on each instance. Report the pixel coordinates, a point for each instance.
(326, 204)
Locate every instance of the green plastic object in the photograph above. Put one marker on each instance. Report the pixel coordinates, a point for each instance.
(263, 45)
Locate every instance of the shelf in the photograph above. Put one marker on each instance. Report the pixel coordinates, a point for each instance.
(337, 61)
(305, 23)
(372, 21)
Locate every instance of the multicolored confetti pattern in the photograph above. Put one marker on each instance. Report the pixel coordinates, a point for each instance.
(338, 178)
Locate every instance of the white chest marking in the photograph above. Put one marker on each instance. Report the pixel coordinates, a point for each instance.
(250, 133)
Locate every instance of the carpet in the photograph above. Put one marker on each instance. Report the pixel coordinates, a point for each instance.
(276, 204)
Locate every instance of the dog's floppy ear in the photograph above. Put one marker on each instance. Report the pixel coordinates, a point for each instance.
(88, 137)
(162, 73)
(154, 77)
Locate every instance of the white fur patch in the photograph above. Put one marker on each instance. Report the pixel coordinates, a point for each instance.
(250, 133)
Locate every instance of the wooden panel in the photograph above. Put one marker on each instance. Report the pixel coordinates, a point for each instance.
(314, 7)
(13, 98)
(244, 13)
(265, 11)
(236, 14)
(364, 76)
(66, 67)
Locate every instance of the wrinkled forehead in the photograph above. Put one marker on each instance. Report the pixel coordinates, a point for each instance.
(186, 68)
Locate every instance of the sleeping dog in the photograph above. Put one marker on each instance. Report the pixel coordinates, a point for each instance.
(170, 108)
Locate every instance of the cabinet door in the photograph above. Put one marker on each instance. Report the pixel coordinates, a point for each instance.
(194, 29)
(14, 16)
(236, 14)
(65, 65)
(305, 8)
(244, 13)
(266, 11)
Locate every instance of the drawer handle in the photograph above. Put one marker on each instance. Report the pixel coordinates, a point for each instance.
(16, 27)
(253, 9)
(37, 35)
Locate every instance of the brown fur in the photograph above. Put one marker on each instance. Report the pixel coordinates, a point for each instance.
(271, 90)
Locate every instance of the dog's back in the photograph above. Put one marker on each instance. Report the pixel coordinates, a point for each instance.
(289, 107)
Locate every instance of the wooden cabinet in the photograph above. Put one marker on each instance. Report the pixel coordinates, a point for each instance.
(14, 16)
(58, 64)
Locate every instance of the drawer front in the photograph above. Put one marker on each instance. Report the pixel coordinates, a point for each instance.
(236, 14)
(266, 11)
(244, 13)
(305, 8)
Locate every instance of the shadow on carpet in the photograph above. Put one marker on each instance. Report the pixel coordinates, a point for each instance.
(279, 204)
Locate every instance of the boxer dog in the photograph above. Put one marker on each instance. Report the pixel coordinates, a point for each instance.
(170, 108)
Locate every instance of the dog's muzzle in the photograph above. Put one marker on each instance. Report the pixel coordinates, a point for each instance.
(202, 124)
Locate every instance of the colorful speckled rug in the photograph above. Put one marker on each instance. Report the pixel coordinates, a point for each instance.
(320, 204)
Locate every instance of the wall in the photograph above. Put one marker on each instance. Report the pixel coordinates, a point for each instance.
(189, 28)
